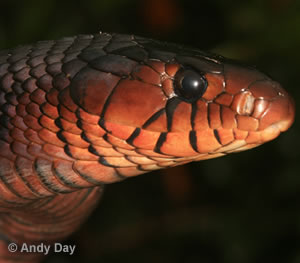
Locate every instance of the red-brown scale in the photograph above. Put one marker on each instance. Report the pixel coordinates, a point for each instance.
(85, 111)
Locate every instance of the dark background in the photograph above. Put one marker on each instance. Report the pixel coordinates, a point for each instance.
(240, 208)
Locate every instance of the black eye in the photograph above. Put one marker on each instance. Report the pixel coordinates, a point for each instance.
(189, 84)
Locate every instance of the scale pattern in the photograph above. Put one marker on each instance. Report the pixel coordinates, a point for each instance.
(85, 111)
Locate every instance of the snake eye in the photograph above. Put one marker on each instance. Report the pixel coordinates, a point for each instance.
(189, 84)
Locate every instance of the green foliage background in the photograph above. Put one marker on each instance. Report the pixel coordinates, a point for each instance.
(240, 208)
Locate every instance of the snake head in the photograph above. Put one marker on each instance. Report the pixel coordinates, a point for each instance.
(168, 101)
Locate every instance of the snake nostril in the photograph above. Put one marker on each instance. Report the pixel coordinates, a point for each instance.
(249, 104)
(243, 103)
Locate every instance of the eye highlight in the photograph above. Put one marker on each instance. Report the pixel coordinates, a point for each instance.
(189, 85)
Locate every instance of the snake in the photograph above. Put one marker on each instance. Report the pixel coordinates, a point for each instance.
(82, 112)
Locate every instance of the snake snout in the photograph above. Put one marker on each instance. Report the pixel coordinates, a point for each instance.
(273, 107)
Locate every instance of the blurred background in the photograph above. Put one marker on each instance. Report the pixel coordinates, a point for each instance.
(240, 208)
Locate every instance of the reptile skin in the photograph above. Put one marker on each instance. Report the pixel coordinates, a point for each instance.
(90, 110)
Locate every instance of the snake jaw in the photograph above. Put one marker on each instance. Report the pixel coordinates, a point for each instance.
(261, 106)
(280, 112)
(282, 120)
(273, 108)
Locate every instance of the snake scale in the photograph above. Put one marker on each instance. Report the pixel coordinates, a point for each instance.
(85, 111)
